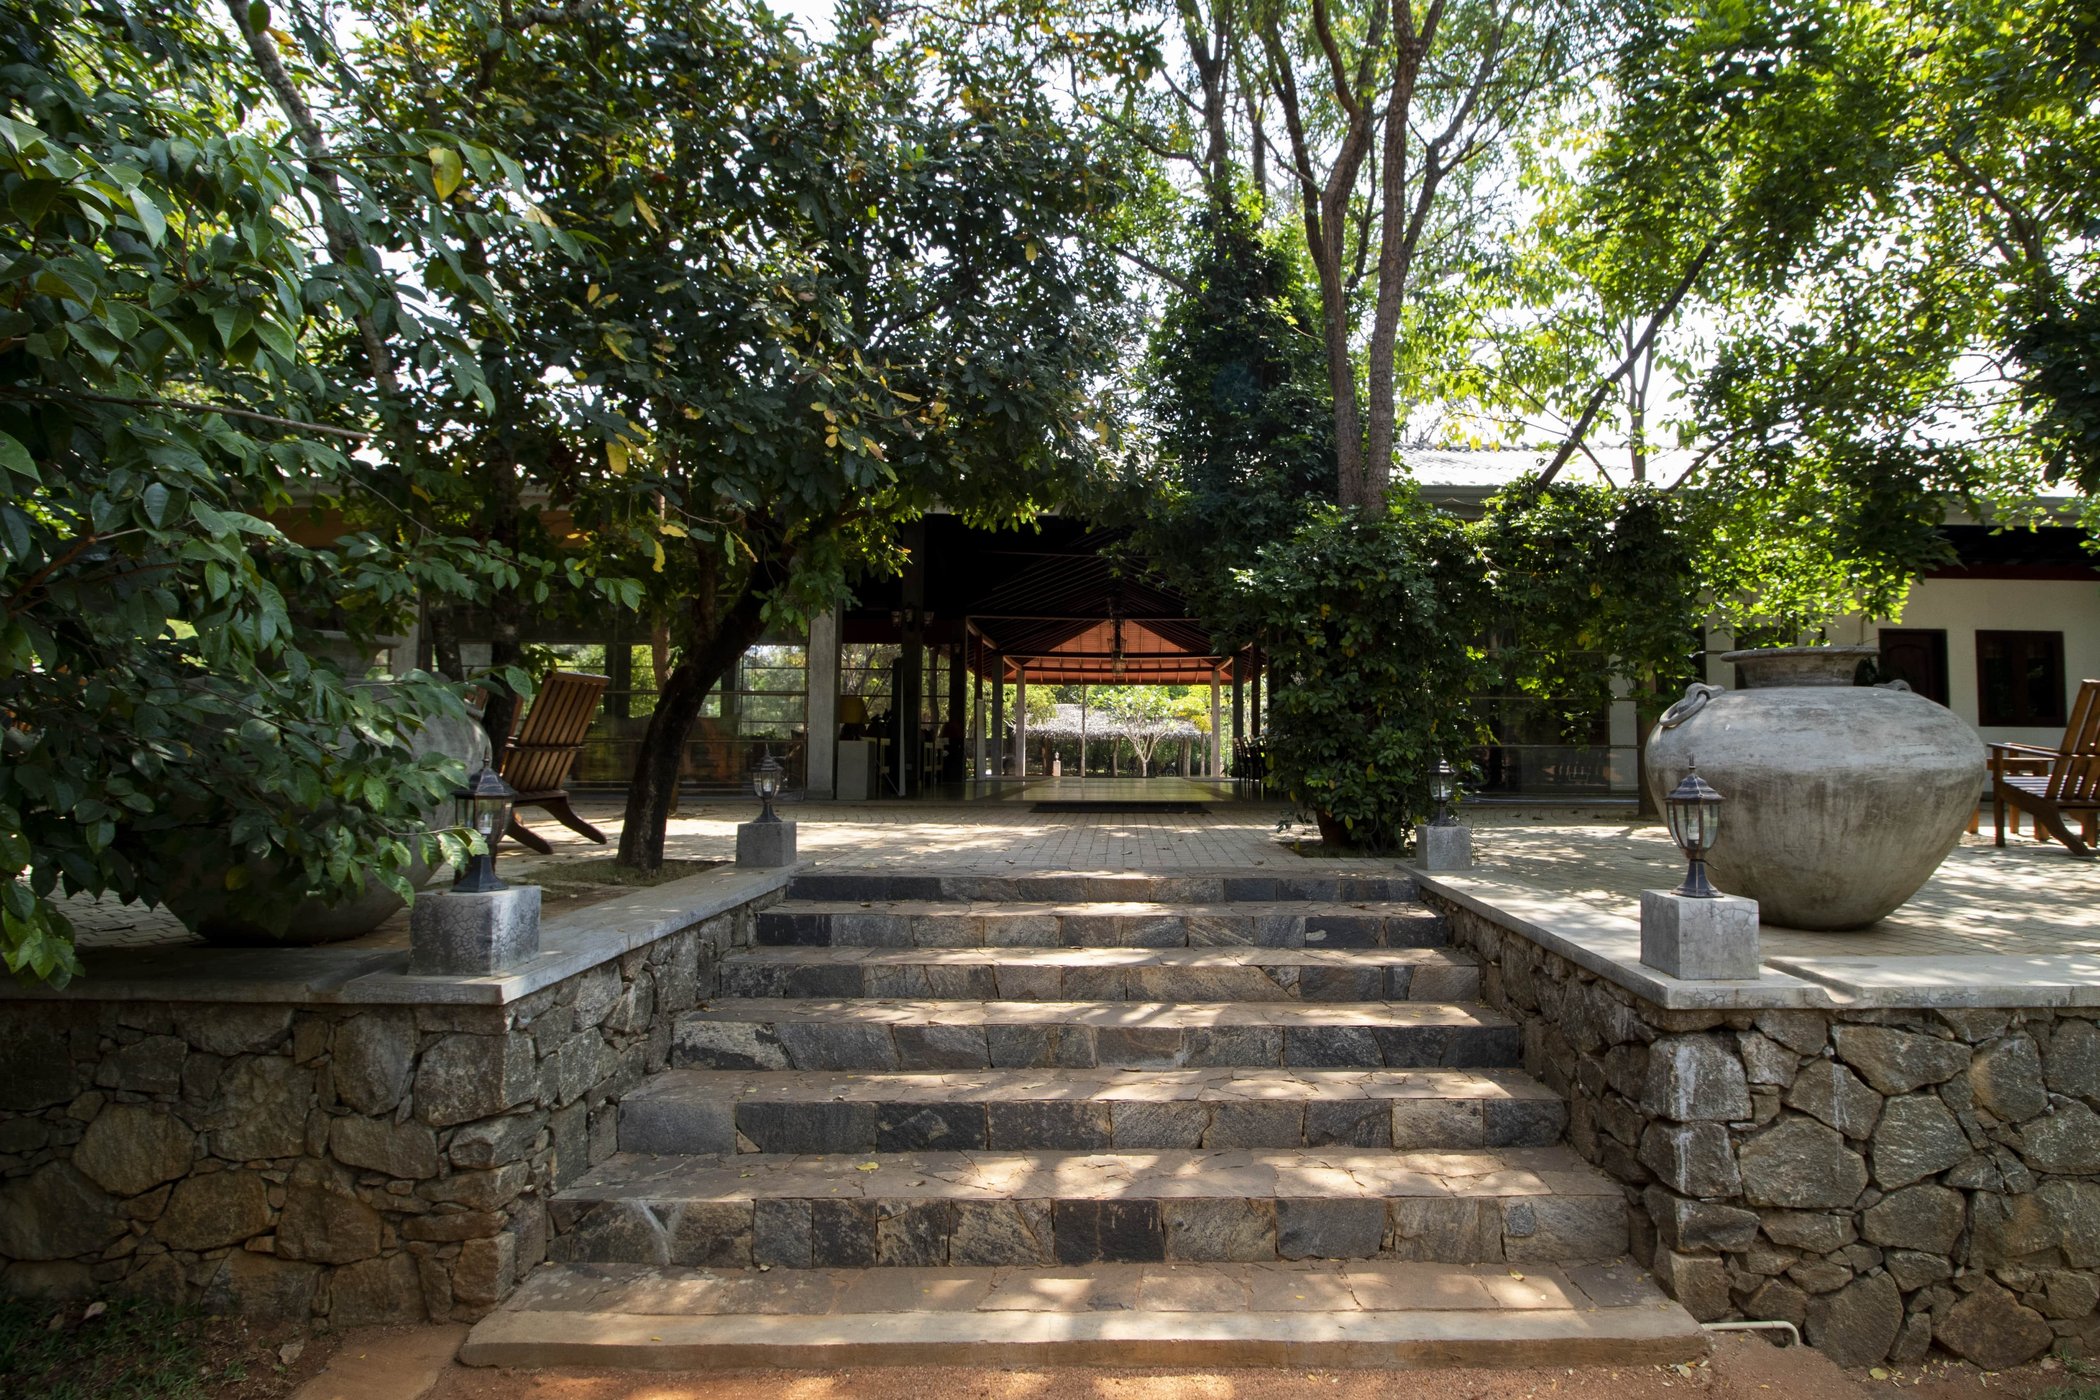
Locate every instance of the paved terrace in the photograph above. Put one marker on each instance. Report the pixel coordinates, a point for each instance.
(2011, 927)
(983, 838)
(2017, 926)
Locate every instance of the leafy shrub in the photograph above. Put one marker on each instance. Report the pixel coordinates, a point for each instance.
(1370, 625)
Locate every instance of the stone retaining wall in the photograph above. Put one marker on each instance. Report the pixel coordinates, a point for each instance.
(1884, 1179)
(362, 1164)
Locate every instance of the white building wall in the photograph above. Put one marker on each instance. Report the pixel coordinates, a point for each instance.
(1964, 607)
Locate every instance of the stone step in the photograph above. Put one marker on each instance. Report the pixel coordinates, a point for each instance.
(986, 1209)
(763, 1033)
(1068, 887)
(1087, 1109)
(1106, 974)
(1121, 924)
(1371, 1314)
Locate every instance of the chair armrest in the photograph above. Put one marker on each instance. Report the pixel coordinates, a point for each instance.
(2035, 749)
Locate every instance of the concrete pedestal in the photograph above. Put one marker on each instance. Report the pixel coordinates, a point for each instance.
(473, 935)
(765, 843)
(857, 765)
(1444, 847)
(1699, 939)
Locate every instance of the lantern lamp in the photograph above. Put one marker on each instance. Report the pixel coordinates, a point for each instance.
(1443, 786)
(483, 805)
(1693, 810)
(765, 781)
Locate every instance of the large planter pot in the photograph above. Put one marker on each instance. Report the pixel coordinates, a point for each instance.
(264, 912)
(1841, 799)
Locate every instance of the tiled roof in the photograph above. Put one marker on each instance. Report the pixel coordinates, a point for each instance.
(1487, 469)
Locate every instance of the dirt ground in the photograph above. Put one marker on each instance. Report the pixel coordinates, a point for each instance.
(1741, 1369)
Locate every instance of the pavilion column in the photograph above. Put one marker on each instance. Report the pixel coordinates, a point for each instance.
(910, 701)
(1239, 697)
(1254, 685)
(976, 646)
(1217, 737)
(998, 736)
(911, 693)
(821, 715)
(1082, 727)
(1020, 721)
(952, 723)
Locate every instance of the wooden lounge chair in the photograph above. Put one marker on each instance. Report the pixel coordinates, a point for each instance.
(543, 748)
(2054, 785)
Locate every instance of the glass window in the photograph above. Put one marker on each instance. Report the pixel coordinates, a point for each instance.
(2020, 678)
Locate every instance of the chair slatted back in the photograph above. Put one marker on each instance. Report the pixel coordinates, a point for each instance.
(544, 745)
(2076, 776)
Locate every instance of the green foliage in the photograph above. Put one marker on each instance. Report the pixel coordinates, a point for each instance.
(1138, 715)
(814, 288)
(1237, 392)
(1589, 584)
(1370, 625)
(809, 291)
(161, 705)
(2007, 129)
(1042, 704)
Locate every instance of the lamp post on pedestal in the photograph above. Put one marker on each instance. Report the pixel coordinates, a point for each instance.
(766, 840)
(1694, 931)
(1441, 843)
(483, 924)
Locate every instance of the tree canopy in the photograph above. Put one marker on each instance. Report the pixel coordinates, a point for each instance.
(816, 288)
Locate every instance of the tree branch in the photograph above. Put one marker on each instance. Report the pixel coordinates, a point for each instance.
(1603, 389)
(38, 391)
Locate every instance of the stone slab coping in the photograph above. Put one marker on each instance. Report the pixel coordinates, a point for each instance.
(1229, 1086)
(1610, 945)
(570, 944)
(1360, 1314)
(1232, 1173)
(1105, 908)
(1299, 1286)
(1202, 957)
(1980, 980)
(1121, 1014)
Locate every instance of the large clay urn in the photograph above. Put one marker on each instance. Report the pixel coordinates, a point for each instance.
(264, 911)
(1842, 799)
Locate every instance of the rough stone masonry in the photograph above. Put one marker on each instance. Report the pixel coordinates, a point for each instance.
(362, 1164)
(1883, 1179)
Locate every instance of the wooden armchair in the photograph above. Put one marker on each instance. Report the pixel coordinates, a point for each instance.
(2054, 785)
(543, 745)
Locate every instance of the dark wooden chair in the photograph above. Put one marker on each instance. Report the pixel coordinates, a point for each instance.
(2054, 785)
(544, 742)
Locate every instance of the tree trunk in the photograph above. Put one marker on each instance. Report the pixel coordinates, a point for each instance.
(714, 638)
(1341, 379)
(1393, 260)
(653, 790)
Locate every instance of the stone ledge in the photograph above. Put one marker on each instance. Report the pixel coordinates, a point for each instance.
(1609, 945)
(1496, 1337)
(571, 944)
(1978, 981)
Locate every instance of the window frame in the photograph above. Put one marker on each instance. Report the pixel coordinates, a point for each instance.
(2021, 715)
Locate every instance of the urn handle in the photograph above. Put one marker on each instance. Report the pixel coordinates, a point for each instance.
(1695, 697)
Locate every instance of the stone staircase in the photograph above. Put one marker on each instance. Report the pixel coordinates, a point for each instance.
(1111, 1120)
